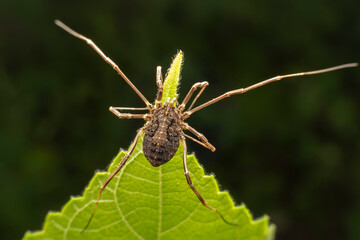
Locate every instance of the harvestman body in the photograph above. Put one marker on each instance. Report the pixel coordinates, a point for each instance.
(165, 122)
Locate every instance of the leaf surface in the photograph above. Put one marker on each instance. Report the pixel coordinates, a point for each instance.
(143, 202)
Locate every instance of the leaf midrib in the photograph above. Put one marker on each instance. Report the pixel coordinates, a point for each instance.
(160, 202)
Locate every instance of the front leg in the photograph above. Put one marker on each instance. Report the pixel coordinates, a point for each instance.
(197, 85)
(120, 115)
(159, 83)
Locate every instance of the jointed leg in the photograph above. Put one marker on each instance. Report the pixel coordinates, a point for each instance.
(112, 175)
(107, 59)
(120, 115)
(130, 108)
(195, 140)
(188, 179)
(159, 83)
(201, 85)
(204, 142)
(243, 90)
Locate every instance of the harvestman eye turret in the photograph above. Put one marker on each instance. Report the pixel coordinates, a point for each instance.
(165, 124)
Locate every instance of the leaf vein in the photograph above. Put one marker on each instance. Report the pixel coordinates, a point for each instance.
(140, 178)
(116, 200)
(140, 193)
(183, 221)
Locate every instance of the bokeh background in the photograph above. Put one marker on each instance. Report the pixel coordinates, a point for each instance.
(290, 150)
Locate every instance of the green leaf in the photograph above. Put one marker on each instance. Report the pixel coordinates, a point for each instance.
(172, 78)
(143, 202)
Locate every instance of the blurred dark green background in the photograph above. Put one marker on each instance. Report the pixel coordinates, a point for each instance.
(290, 149)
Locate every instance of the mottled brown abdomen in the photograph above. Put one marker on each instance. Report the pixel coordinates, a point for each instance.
(161, 139)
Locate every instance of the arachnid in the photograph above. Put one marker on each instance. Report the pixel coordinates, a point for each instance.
(165, 125)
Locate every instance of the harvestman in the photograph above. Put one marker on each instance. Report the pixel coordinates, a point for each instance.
(165, 122)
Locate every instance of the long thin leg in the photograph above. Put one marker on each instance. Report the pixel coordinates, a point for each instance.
(188, 179)
(112, 175)
(195, 140)
(201, 85)
(243, 90)
(130, 108)
(129, 115)
(107, 59)
(201, 136)
(159, 83)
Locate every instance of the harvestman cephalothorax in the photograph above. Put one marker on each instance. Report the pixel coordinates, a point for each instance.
(166, 122)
